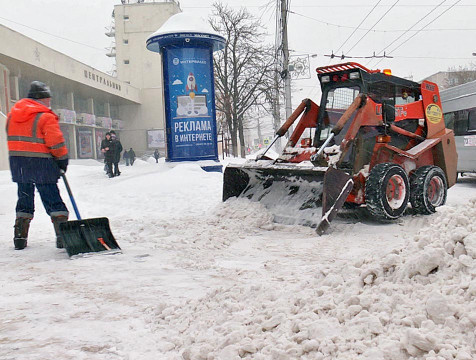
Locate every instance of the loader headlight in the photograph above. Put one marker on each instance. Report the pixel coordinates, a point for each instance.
(354, 75)
(325, 79)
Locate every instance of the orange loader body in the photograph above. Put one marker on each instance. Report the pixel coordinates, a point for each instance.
(384, 134)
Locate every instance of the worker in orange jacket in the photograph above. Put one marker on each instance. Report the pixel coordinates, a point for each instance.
(37, 153)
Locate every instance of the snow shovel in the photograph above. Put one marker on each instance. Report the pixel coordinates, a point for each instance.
(86, 235)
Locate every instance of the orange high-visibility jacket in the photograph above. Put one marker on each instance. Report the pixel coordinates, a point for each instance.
(33, 131)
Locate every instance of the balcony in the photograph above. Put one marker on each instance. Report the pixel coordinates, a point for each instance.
(110, 31)
(111, 51)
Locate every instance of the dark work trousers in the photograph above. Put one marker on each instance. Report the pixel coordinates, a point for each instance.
(116, 169)
(50, 197)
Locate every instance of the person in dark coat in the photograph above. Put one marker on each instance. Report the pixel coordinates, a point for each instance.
(126, 157)
(108, 151)
(38, 154)
(132, 156)
(117, 149)
(156, 155)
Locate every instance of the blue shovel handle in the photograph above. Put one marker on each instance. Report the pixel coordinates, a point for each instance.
(63, 175)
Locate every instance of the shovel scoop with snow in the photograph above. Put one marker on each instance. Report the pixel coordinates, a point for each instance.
(86, 235)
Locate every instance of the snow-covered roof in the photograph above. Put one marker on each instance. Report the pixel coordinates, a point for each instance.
(182, 26)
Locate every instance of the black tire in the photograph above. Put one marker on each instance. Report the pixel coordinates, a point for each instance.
(387, 191)
(428, 189)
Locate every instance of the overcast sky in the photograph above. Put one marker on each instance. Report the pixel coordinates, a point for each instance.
(447, 37)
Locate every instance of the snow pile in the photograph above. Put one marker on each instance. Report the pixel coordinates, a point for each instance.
(271, 154)
(416, 302)
(226, 224)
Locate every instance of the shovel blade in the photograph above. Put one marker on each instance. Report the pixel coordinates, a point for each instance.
(88, 235)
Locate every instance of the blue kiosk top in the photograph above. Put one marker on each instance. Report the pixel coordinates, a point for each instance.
(185, 29)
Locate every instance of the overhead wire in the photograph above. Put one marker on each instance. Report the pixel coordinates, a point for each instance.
(373, 30)
(411, 27)
(425, 26)
(50, 34)
(380, 19)
(358, 26)
(364, 6)
(411, 37)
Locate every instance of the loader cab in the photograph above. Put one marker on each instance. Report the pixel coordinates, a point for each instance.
(339, 89)
(340, 85)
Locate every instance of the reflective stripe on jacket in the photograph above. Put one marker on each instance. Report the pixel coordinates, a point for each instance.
(35, 141)
(33, 131)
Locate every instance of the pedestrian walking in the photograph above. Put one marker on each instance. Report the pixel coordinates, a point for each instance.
(126, 157)
(116, 149)
(156, 155)
(132, 156)
(37, 154)
(108, 151)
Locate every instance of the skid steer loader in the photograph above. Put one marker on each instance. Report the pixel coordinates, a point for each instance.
(375, 141)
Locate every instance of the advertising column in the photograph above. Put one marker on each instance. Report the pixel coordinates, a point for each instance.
(187, 47)
(190, 104)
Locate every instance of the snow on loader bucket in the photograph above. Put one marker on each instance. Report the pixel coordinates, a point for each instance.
(301, 196)
(376, 141)
(86, 235)
(304, 195)
(293, 195)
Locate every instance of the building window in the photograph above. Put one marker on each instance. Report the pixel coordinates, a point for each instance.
(126, 41)
(126, 17)
(472, 121)
(126, 62)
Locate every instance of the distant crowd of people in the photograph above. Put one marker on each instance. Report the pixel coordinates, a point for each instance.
(129, 157)
(111, 147)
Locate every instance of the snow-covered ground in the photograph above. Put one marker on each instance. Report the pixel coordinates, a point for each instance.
(202, 279)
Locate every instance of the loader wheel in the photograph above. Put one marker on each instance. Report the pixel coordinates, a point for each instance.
(428, 189)
(387, 191)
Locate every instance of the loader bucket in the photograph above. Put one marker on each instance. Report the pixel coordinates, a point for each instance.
(88, 235)
(292, 193)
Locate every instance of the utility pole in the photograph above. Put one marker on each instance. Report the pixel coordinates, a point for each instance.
(285, 72)
(276, 109)
(260, 135)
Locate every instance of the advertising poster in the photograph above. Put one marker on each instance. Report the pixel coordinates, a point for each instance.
(190, 104)
(85, 143)
(65, 129)
(155, 139)
(100, 136)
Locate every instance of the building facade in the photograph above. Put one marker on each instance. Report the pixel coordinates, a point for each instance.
(90, 102)
(448, 79)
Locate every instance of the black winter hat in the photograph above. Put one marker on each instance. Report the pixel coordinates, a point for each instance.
(39, 90)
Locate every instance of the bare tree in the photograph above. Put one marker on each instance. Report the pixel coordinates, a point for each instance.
(240, 69)
(460, 75)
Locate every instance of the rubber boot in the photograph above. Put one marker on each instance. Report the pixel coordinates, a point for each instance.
(20, 237)
(57, 220)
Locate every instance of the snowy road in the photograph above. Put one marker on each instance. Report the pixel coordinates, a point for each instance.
(199, 279)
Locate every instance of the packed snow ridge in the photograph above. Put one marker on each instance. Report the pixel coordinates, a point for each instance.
(417, 302)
